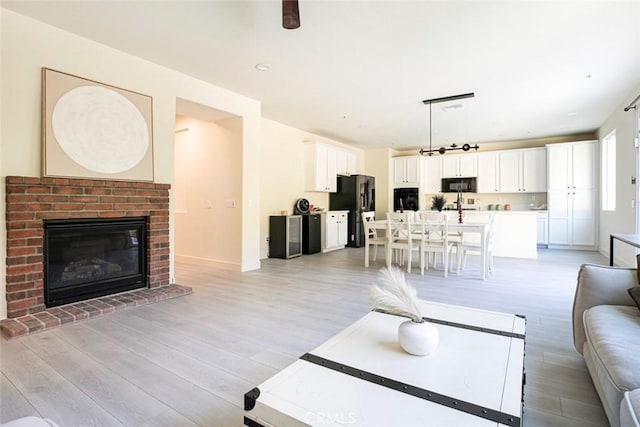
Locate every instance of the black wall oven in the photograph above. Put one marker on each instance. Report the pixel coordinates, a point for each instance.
(407, 199)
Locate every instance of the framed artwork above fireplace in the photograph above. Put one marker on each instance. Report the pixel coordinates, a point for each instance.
(95, 130)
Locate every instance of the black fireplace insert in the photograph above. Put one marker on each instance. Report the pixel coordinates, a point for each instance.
(89, 258)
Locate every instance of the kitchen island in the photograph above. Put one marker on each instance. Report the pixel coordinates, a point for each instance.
(516, 234)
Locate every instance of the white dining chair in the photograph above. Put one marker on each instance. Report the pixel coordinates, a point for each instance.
(371, 237)
(400, 239)
(471, 243)
(434, 231)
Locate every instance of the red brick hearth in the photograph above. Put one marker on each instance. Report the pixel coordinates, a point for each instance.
(30, 200)
(69, 313)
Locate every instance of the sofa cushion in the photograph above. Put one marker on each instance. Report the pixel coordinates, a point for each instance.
(614, 334)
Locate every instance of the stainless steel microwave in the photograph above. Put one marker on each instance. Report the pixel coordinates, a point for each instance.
(462, 185)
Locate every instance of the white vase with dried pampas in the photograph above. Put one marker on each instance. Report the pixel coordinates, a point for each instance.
(394, 295)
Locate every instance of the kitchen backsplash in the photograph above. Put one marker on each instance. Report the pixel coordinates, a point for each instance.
(518, 202)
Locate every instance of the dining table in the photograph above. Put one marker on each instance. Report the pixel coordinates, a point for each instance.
(481, 228)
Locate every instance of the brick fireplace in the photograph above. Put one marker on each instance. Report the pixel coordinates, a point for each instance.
(30, 201)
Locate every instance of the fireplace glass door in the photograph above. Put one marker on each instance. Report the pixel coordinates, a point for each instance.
(91, 258)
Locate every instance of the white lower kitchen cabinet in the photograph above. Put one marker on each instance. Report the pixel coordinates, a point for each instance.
(572, 218)
(334, 230)
(543, 228)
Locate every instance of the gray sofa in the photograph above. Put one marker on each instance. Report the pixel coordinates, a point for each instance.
(606, 331)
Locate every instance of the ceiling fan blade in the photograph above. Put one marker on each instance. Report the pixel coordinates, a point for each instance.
(290, 14)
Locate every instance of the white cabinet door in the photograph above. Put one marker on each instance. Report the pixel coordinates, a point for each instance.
(412, 171)
(572, 217)
(450, 167)
(320, 167)
(321, 161)
(488, 172)
(468, 165)
(332, 171)
(351, 163)
(558, 166)
(572, 205)
(542, 235)
(583, 217)
(432, 174)
(332, 230)
(534, 170)
(583, 159)
(342, 232)
(398, 171)
(559, 217)
(407, 171)
(523, 171)
(345, 162)
(341, 162)
(510, 171)
(460, 165)
(572, 165)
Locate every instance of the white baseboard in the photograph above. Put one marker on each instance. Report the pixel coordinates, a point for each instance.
(223, 265)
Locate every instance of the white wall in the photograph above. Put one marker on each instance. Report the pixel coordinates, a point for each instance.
(28, 45)
(379, 163)
(3, 227)
(208, 174)
(623, 219)
(282, 166)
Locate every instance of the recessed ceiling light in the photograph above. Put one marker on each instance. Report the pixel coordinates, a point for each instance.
(572, 114)
(263, 67)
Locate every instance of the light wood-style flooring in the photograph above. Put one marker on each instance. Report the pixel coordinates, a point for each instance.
(188, 361)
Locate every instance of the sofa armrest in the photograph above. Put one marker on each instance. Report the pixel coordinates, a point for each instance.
(600, 285)
(630, 409)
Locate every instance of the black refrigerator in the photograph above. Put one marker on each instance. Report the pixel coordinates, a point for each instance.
(357, 194)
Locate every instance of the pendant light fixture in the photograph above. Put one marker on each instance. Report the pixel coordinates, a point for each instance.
(442, 150)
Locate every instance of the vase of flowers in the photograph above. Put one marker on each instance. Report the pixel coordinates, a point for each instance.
(394, 295)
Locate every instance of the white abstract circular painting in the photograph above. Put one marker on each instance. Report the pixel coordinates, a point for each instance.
(100, 129)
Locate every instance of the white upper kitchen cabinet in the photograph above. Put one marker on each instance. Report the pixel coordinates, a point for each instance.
(509, 167)
(321, 170)
(572, 165)
(572, 194)
(407, 171)
(460, 165)
(345, 162)
(523, 171)
(432, 174)
(534, 170)
(488, 177)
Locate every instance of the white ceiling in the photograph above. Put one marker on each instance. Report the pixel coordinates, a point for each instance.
(357, 71)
